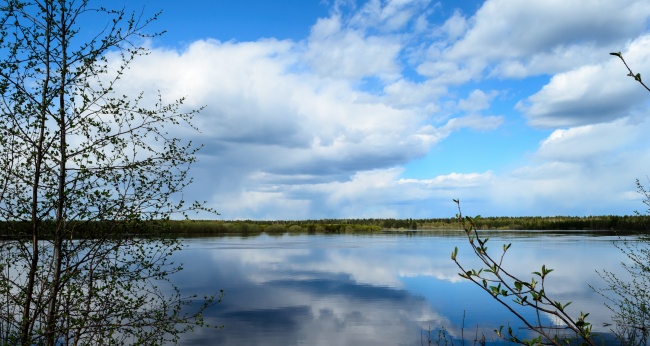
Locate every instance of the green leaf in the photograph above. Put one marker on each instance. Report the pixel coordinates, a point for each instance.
(545, 271)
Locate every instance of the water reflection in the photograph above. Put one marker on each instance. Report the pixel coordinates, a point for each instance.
(374, 290)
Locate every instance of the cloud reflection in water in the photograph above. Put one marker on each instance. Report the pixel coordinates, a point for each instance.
(371, 290)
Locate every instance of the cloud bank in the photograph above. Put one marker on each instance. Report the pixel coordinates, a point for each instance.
(330, 125)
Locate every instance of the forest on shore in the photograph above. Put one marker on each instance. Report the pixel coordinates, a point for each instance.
(627, 223)
(88, 229)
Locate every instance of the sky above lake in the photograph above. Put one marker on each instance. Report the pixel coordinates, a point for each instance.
(392, 108)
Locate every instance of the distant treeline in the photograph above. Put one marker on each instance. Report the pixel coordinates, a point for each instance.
(342, 226)
(608, 222)
(330, 226)
(249, 227)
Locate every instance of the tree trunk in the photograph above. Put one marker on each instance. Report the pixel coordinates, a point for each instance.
(27, 318)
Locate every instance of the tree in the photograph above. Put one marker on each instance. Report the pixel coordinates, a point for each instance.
(87, 179)
(629, 300)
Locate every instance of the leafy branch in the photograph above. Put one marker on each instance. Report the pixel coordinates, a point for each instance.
(506, 288)
(629, 299)
(636, 76)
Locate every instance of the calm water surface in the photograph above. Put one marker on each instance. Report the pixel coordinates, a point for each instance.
(376, 290)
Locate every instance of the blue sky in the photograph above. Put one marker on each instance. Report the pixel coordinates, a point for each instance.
(391, 108)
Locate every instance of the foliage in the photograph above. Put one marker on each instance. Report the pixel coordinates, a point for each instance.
(636, 76)
(506, 288)
(209, 227)
(362, 226)
(86, 177)
(558, 223)
(629, 300)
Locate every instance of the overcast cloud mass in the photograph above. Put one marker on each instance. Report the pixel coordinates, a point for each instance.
(391, 108)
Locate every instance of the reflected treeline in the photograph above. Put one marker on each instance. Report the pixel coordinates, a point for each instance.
(607, 222)
(85, 229)
(253, 228)
(345, 226)
(363, 226)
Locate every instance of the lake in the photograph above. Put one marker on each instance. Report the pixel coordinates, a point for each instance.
(386, 289)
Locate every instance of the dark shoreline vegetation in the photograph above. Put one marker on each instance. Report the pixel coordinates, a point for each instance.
(614, 223)
(90, 229)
